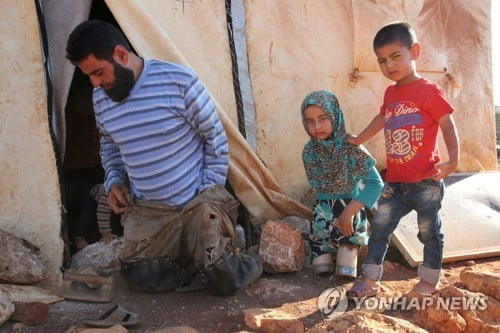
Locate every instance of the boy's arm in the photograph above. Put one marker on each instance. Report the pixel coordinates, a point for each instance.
(450, 136)
(373, 128)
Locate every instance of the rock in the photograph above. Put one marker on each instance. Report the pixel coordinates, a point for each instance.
(103, 257)
(281, 248)
(20, 262)
(6, 308)
(485, 282)
(440, 320)
(365, 322)
(460, 310)
(483, 315)
(272, 321)
(469, 263)
(302, 224)
(475, 324)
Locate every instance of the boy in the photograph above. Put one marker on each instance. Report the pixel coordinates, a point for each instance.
(411, 114)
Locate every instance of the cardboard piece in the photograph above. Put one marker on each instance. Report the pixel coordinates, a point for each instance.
(470, 217)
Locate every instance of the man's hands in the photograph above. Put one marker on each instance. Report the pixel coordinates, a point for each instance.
(118, 198)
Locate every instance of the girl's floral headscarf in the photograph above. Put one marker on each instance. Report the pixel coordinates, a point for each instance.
(333, 165)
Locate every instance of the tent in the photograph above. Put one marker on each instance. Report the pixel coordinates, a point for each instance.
(282, 50)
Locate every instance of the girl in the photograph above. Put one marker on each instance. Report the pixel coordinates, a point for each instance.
(335, 169)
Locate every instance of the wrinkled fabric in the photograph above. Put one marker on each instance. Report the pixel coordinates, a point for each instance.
(198, 233)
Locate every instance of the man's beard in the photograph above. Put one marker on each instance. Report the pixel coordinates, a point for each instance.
(124, 82)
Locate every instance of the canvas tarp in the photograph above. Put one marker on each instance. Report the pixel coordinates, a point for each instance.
(162, 36)
(30, 199)
(294, 47)
(59, 21)
(298, 46)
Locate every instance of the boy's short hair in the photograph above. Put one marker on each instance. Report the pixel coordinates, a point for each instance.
(394, 32)
(94, 37)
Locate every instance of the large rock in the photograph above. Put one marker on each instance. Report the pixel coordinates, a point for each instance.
(460, 311)
(102, 257)
(440, 320)
(20, 262)
(272, 321)
(365, 322)
(303, 225)
(281, 248)
(485, 282)
(6, 308)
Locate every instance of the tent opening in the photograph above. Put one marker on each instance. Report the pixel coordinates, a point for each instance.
(82, 165)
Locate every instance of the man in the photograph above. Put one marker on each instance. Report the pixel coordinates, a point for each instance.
(161, 134)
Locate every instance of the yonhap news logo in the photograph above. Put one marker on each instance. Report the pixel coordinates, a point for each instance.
(332, 302)
(404, 303)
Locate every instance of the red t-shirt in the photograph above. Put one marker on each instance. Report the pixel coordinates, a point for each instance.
(412, 112)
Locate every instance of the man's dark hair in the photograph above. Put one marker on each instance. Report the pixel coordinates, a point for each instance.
(94, 37)
(395, 32)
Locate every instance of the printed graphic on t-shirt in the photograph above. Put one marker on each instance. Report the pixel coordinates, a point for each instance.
(403, 131)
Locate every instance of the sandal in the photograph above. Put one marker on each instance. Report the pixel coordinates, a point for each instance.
(117, 315)
(361, 288)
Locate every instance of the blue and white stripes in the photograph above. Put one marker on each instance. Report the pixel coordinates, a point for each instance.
(166, 136)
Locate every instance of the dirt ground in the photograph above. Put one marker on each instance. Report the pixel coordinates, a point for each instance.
(206, 313)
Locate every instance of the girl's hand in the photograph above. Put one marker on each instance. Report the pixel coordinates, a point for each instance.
(345, 223)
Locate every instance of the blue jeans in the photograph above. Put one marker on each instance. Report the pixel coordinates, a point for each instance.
(397, 200)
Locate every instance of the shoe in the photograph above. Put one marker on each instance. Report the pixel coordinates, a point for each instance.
(362, 288)
(116, 315)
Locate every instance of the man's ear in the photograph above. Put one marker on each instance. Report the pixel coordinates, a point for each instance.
(120, 55)
(415, 50)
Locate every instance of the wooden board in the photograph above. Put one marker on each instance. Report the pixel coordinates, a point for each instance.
(470, 217)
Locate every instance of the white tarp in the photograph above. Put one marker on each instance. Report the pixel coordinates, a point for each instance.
(30, 200)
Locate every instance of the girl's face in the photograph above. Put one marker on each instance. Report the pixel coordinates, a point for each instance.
(317, 122)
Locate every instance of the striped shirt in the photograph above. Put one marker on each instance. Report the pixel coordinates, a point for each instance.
(166, 136)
